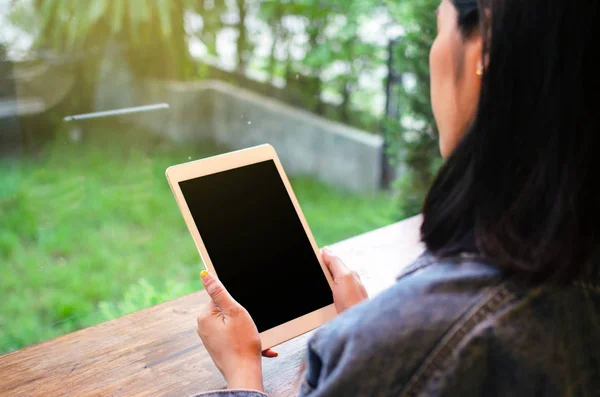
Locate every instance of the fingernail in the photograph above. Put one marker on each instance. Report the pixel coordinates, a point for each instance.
(205, 276)
(328, 250)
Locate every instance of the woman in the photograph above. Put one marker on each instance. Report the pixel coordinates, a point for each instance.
(506, 299)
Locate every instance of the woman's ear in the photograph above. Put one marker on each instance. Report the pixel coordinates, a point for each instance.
(474, 55)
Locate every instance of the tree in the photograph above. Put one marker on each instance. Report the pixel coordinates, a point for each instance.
(244, 48)
(415, 141)
(333, 37)
(211, 12)
(152, 33)
(272, 11)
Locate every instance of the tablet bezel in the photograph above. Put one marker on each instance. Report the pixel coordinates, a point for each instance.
(232, 160)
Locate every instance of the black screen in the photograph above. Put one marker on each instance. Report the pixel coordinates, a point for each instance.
(257, 244)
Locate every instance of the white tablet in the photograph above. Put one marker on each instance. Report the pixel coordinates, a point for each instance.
(250, 232)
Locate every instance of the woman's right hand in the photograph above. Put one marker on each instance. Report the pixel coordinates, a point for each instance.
(348, 290)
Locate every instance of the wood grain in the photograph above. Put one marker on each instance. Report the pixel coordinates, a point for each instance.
(156, 352)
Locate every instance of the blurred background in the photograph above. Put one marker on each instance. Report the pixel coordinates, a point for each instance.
(98, 98)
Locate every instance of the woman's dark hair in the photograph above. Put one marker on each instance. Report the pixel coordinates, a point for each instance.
(520, 188)
(468, 16)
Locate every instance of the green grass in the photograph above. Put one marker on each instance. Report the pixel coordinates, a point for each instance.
(90, 231)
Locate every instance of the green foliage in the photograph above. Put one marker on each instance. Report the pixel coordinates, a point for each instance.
(333, 38)
(143, 294)
(213, 23)
(151, 34)
(89, 231)
(413, 144)
(69, 23)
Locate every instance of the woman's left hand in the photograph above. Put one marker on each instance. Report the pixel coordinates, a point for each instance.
(231, 337)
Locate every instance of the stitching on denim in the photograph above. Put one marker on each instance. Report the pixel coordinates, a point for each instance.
(426, 259)
(587, 286)
(444, 351)
(421, 262)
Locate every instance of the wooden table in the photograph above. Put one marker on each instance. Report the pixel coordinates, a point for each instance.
(156, 352)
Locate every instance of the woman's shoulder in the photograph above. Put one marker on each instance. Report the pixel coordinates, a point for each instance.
(420, 319)
(458, 326)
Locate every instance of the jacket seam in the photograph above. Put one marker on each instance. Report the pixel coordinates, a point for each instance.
(427, 259)
(439, 356)
(422, 262)
(587, 286)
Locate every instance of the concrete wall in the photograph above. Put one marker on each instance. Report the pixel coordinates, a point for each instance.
(190, 116)
(307, 144)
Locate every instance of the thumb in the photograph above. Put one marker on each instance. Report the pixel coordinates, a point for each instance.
(217, 292)
(336, 267)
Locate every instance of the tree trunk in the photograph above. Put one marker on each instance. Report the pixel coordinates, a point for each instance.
(392, 112)
(315, 93)
(242, 41)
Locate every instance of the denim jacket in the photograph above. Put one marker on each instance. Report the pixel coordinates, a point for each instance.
(459, 327)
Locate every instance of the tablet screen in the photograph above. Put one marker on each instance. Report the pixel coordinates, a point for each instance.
(257, 243)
